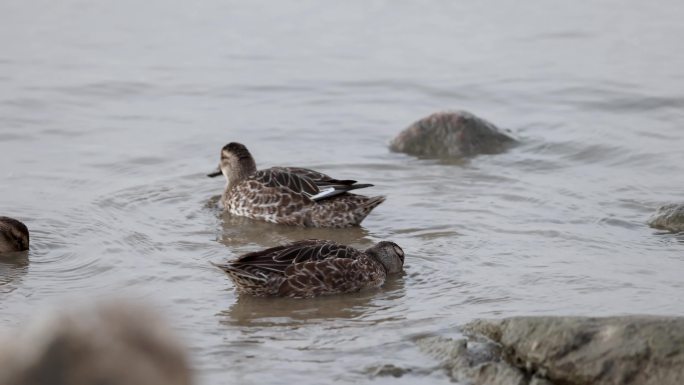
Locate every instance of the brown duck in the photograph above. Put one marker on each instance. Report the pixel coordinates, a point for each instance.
(312, 268)
(14, 236)
(289, 195)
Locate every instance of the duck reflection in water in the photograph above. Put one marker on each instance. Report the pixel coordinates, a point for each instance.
(12, 267)
(253, 311)
(241, 234)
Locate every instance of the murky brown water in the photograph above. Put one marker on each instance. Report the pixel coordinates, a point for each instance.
(111, 113)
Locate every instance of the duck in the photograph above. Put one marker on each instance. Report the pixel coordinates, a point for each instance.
(289, 195)
(313, 267)
(14, 235)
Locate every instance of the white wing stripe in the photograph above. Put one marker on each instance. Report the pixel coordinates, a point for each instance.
(323, 193)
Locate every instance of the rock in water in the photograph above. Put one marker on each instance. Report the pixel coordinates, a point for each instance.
(455, 134)
(627, 350)
(669, 217)
(472, 362)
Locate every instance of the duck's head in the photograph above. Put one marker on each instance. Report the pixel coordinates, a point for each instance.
(389, 254)
(236, 162)
(14, 236)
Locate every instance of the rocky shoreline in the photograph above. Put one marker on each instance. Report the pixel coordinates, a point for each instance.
(645, 350)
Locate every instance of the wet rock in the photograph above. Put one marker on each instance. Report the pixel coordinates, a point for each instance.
(669, 217)
(472, 362)
(454, 134)
(113, 344)
(387, 370)
(581, 350)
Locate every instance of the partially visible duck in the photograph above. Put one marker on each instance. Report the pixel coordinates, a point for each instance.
(312, 268)
(289, 195)
(14, 236)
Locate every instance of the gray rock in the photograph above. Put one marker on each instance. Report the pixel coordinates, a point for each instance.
(387, 370)
(669, 217)
(540, 381)
(452, 134)
(580, 350)
(472, 362)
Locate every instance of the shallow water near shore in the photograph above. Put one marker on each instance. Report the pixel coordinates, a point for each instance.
(111, 115)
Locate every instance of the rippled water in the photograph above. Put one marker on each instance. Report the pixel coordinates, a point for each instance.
(112, 112)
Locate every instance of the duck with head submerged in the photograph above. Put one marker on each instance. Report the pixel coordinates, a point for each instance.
(289, 195)
(313, 267)
(14, 236)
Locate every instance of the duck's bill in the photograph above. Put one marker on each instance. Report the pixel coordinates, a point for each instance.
(215, 173)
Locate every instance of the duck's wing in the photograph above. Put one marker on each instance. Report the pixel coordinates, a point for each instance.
(330, 276)
(316, 185)
(273, 177)
(317, 177)
(278, 259)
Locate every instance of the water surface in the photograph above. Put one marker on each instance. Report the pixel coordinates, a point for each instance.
(112, 112)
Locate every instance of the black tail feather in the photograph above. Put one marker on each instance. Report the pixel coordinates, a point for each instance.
(339, 190)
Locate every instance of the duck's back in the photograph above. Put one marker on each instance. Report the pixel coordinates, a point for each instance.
(253, 199)
(277, 196)
(345, 210)
(305, 269)
(336, 276)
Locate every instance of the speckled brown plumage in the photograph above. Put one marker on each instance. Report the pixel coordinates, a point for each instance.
(14, 236)
(312, 268)
(290, 195)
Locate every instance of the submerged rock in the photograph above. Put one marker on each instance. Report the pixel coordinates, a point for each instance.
(581, 350)
(114, 344)
(669, 217)
(454, 134)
